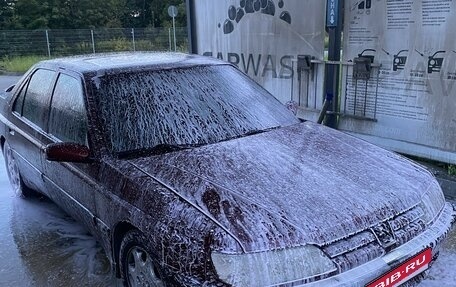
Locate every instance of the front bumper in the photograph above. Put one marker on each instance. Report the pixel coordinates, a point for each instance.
(366, 273)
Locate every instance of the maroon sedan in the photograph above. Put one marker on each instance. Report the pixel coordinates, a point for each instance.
(190, 174)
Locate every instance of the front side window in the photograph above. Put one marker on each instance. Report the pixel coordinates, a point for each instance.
(36, 99)
(68, 117)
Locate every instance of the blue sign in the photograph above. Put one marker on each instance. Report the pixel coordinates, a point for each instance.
(332, 13)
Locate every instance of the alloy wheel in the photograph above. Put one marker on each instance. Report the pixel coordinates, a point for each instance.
(13, 171)
(140, 269)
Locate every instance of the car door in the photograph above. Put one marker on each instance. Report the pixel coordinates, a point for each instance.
(71, 185)
(30, 107)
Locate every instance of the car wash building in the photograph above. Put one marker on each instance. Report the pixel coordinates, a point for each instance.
(392, 82)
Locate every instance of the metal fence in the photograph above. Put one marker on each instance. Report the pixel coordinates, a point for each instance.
(84, 41)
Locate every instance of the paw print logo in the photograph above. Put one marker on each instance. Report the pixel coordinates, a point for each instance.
(267, 7)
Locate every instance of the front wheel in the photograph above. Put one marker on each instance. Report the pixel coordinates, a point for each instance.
(138, 266)
(14, 175)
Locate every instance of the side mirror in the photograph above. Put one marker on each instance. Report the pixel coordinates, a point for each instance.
(67, 152)
(10, 88)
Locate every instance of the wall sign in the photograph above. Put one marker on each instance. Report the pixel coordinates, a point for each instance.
(409, 103)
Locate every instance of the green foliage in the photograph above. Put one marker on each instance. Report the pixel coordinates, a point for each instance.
(122, 44)
(19, 64)
(114, 45)
(181, 19)
(452, 169)
(6, 12)
(82, 14)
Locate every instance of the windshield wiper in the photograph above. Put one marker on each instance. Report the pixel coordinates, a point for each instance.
(251, 133)
(156, 150)
(167, 148)
(254, 132)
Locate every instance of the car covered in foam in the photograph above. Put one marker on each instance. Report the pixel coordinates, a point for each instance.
(190, 174)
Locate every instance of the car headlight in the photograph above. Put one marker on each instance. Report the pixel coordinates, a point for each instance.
(432, 202)
(272, 267)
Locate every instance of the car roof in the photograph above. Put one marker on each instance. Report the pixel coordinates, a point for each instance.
(128, 61)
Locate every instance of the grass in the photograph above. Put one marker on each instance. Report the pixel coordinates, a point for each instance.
(452, 169)
(19, 64)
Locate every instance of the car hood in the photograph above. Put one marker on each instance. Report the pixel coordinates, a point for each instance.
(303, 184)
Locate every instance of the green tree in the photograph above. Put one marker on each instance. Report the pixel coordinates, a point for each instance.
(79, 14)
(30, 14)
(163, 18)
(181, 19)
(6, 13)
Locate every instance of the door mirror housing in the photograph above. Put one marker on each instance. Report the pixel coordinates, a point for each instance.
(10, 88)
(67, 152)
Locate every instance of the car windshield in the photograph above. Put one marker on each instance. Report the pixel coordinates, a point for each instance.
(185, 107)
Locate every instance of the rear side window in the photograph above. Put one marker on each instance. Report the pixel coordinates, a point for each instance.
(68, 117)
(36, 99)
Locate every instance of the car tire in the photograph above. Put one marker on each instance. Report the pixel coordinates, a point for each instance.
(137, 264)
(14, 175)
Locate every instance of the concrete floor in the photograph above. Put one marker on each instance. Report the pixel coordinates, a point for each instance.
(42, 246)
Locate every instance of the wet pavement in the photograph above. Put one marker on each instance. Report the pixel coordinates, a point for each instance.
(6, 81)
(443, 272)
(42, 246)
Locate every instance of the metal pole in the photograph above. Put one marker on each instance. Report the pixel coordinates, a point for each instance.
(93, 41)
(191, 26)
(334, 26)
(133, 38)
(169, 39)
(346, 90)
(174, 32)
(365, 97)
(299, 84)
(324, 110)
(48, 44)
(356, 92)
(316, 87)
(292, 81)
(376, 94)
(153, 19)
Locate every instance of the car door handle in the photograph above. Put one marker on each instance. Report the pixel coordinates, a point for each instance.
(11, 132)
